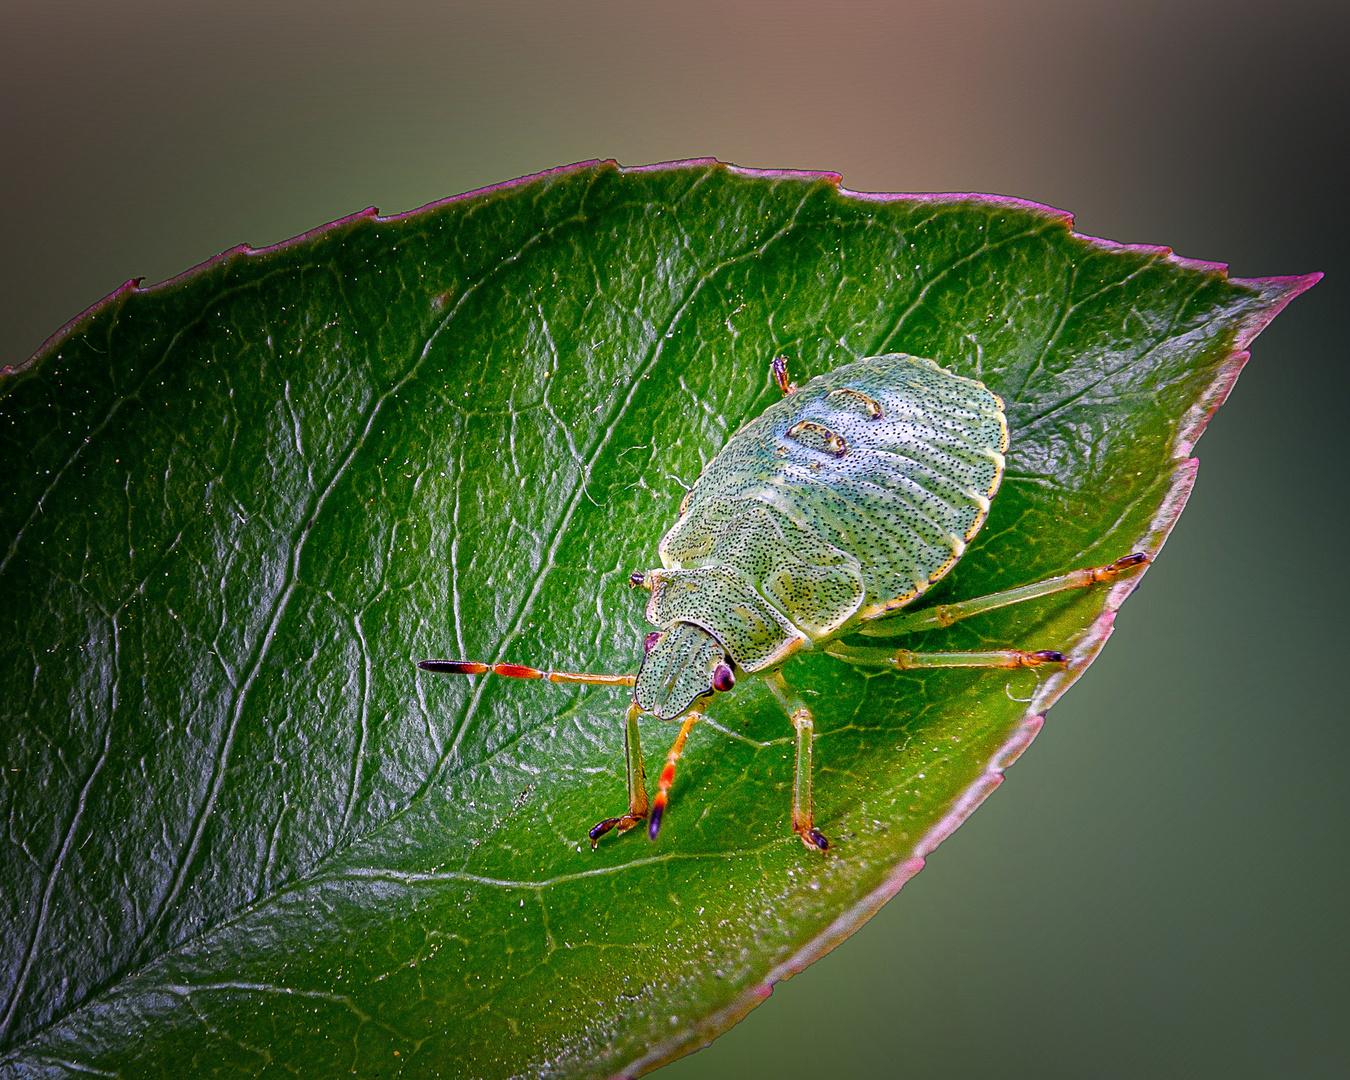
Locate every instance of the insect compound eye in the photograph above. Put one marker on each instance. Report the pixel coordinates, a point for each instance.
(650, 640)
(637, 579)
(723, 678)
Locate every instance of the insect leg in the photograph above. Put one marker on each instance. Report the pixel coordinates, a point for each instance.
(904, 660)
(668, 773)
(802, 720)
(520, 671)
(637, 782)
(946, 614)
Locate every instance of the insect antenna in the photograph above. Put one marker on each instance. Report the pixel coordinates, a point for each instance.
(520, 671)
(668, 773)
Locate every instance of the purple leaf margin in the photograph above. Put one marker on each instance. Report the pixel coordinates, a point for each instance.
(1278, 292)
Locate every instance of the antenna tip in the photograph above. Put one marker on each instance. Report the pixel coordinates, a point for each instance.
(453, 667)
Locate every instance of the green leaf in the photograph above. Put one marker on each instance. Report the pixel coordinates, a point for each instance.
(245, 836)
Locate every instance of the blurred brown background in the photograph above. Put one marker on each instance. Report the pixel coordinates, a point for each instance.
(1160, 887)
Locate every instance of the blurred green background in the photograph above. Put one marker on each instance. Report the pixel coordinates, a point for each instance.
(1160, 889)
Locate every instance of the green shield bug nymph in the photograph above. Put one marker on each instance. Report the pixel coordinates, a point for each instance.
(823, 516)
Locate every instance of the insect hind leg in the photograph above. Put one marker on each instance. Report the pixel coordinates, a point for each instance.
(942, 615)
(905, 660)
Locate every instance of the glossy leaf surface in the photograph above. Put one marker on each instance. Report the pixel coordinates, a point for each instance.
(245, 836)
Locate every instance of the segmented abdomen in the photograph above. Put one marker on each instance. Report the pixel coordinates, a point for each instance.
(851, 496)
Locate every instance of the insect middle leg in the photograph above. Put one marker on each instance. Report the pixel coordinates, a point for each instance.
(942, 615)
(638, 804)
(805, 725)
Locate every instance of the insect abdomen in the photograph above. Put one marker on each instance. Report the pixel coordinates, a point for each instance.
(850, 496)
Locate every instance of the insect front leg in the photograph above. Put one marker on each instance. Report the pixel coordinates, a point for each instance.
(638, 804)
(805, 725)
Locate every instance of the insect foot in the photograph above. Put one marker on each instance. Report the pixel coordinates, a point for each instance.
(622, 824)
(813, 838)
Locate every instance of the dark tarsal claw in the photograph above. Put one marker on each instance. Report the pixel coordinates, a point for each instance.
(599, 829)
(814, 839)
(623, 824)
(654, 826)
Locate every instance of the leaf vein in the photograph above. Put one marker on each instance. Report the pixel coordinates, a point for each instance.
(1086, 388)
(44, 908)
(884, 340)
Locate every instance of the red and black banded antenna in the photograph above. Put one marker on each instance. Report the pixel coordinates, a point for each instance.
(520, 671)
(638, 803)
